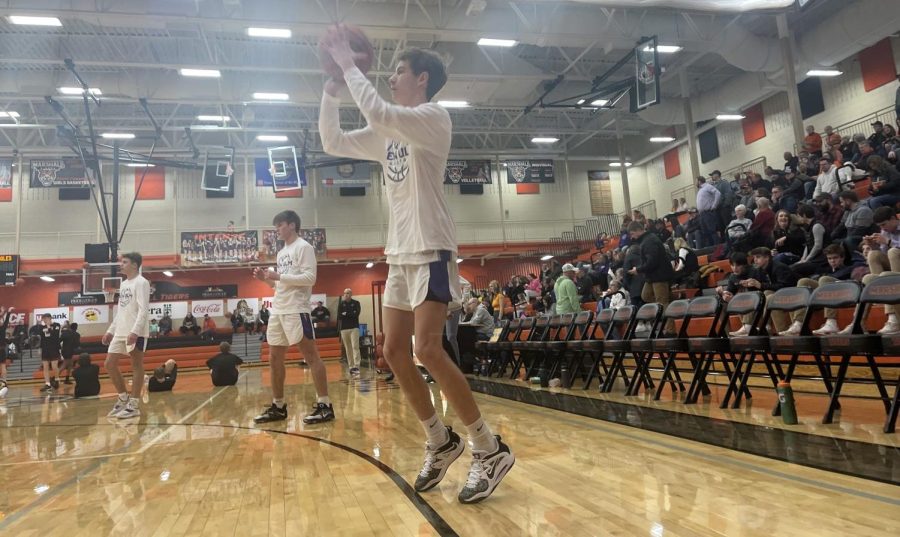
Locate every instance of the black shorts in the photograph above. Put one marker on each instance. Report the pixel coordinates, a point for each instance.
(50, 355)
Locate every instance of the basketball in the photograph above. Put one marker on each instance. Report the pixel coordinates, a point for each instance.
(365, 53)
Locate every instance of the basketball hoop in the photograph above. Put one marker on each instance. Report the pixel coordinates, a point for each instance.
(109, 293)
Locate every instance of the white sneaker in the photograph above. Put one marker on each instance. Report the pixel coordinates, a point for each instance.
(891, 327)
(847, 330)
(743, 331)
(3, 388)
(794, 330)
(830, 327)
(131, 410)
(118, 407)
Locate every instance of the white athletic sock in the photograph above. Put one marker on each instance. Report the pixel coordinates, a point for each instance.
(436, 431)
(324, 399)
(123, 397)
(278, 402)
(480, 437)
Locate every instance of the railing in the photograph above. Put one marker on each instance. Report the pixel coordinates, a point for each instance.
(757, 165)
(689, 193)
(863, 125)
(648, 209)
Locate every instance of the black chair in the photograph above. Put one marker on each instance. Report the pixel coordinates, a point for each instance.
(703, 350)
(745, 349)
(522, 350)
(488, 350)
(595, 347)
(555, 351)
(641, 345)
(886, 290)
(503, 347)
(555, 342)
(669, 347)
(617, 343)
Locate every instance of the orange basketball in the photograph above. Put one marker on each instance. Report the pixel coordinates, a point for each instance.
(359, 43)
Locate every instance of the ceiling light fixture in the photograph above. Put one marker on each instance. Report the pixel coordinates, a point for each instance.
(118, 135)
(140, 165)
(600, 102)
(664, 49)
(544, 140)
(824, 72)
(202, 73)
(272, 138)
(491, 42)
(214, 118)
(662, 139)
(27, 20)
(454, 104)
(266, 96)
(11, 114)
(71, 90)
(547, 257)
(619, 164)
(370, 264)
(269, 32)
(168, 273)
(729, 117)
(48, 279)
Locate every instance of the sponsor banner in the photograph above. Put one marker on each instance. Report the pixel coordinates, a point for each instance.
(65, 172)
(352, 174)
(6, 169)
(467, 172)
(176, 310)
(74, 298)
(529, 171)
(171, 291)
(214, 247)
(267, 302)
(91, 314)
(271, 245)
(17, 318)
(264, 175)
(213, 308)
(246, 306)
(314, 300)
(60, 315)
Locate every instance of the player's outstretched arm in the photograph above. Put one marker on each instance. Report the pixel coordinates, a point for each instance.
(364, 144)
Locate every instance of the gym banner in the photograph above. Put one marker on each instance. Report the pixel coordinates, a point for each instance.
(264, 175)
(467, 172)
(171, 291)
(213, 247)
(177, 312)
(271, 245)
(74, 298)
(244, 306)
(314, 300)
(6, 169)
(529, 171)
(59, 315)
(213, 308)
(61, 172)
(91, 314)
(351, 174)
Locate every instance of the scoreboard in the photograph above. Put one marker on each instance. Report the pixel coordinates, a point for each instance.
(9, 269)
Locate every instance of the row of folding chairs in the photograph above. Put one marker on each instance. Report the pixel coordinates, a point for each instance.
(628, 344)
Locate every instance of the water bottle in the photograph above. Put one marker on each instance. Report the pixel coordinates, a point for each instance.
(565, 377)
(786, 402)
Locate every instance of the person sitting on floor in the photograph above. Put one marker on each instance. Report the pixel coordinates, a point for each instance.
(87, 377)
(163, 379)
(224, 367)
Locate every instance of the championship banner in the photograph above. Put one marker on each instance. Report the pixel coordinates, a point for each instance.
(529, 171)
(60, 315)
(171, 291)
(91, 314)
(208, 248)
(467, 172)
(352, 174)
(177, 312)
(271, 245)
(6, 169)
(213, 308)
(62, 172)
(264, 175)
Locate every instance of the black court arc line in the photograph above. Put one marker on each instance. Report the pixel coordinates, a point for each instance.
(427, 511)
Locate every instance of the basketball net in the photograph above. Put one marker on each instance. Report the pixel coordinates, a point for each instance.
(110, 294)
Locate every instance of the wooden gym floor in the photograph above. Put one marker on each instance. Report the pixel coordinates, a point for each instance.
(194, 464)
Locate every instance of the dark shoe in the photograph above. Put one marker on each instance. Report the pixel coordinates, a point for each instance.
(389, 378)
(320, 414)
(273, 413)
(437, 461)
(486, 472)
(47, 388)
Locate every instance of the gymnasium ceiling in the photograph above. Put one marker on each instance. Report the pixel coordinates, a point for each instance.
(133, 49)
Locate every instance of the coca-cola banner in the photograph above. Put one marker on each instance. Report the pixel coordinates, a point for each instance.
(176, 310)
(213, 308)
(91, 314)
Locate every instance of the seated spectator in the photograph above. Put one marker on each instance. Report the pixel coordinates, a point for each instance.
(164, 377)
(615, 297)
(760, 232)
(812, 258)
(209, 328)
(682, 205)
(585, 285)
(320, 313)
(481, 320)
(251, 323)
(771, 276)
(690, 230)
(742, 272)
(738, 227)
(224, 367)
(791, 163)
(530, 309)
(789, 239)
(189, 325)
(885, 186)
(687, 269)
(165, 325)
(885, 259)
(533, 288)
(856, 223)
(87, 377)
(837, 271)
(828, 181)
(263, 321)
(154, 329)
(237, 320)
(877, 138)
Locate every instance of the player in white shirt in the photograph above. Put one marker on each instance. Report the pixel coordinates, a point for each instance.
(411, 139)
(127, 336)
(289, 322)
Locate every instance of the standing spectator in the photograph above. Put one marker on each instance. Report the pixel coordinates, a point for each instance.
(348, 323)
(5, 344)
(655, 267)
(87, 377)
(189, 325)
(164, 377)
(263, 321)
(154, 329)
(50, 339)
(585, 284)
(237, 320)
(533, 288)
(812, 143)
(567, 298)
(633, 281)
(876, 139)
(320, 313)
(726, 201)
(165, 325)
(209, 328)
(708, 198)
(224, 368)
(70, 344)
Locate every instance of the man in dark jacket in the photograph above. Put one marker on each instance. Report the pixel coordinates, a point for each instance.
(837, 271)
(772, 276)
(71, 343)
(655, 266)
(348, 319)
(634, 282)
(87, 377)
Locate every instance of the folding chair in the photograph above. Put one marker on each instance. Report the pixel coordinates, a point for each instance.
(594, 348)
(886, 290)
(521, 350)
(504, 350)
(703, 350)
(545, 350)
(668, 348)
(488, 350)
(745, 349)
(641, 345)
(555, 351)
(616, 343)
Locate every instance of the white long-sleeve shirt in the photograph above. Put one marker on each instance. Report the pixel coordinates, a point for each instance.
(296, 265)
(708, 198)
(133, 314)
(412, 144)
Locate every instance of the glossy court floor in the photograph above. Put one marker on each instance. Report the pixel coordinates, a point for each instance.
(194, 464)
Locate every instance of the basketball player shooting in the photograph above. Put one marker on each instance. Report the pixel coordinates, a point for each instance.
(411, 139)
(127, 336)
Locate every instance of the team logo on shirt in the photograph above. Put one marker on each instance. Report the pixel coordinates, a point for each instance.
(398, 161)
(126, 295)
(284, 264)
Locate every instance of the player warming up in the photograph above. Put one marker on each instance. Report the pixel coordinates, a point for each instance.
(411, 139)
(289, 321)
(127, 336)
